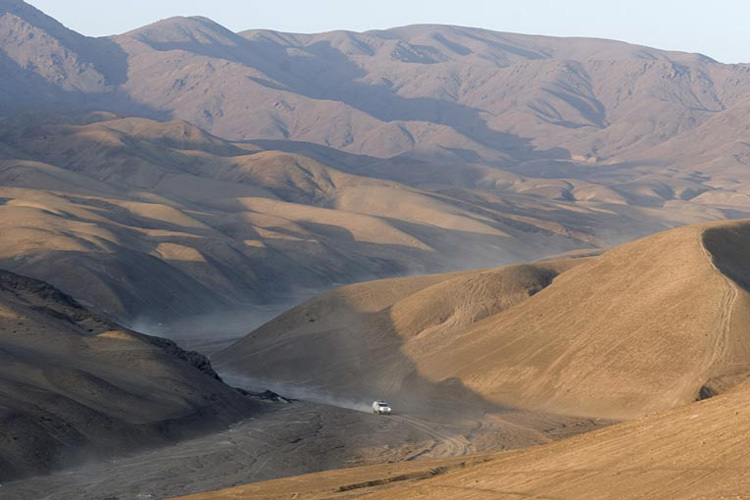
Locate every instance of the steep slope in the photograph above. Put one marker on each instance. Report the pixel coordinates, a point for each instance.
(650, 325)
(499, 88)
(47, 66)
(387, 92)
(574, 119)
(455, 93)
(170, 207)
(673, 325)
(75, 386)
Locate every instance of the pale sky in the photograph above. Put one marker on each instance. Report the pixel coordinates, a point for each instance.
(717, 28)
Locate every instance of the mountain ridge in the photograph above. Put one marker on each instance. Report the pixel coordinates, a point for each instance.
(589, 141)
(265, 63)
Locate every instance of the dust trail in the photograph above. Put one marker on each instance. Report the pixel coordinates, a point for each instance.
(314, 396)
(211, 332)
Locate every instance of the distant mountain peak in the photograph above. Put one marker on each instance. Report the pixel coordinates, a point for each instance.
(38, 19)
(11, 4)
(181, 30)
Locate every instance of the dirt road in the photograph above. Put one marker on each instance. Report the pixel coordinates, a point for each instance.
(289, 440)
(446, 443)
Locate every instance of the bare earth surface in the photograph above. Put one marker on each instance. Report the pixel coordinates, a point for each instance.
(695, 452)
(353, 156)
(288, 440)
(673, 447)
(645, 326)
(172, 175)
(75, 386)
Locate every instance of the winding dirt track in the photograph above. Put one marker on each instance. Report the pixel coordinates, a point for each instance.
(280, 443)
(446, 445)
(728, 300)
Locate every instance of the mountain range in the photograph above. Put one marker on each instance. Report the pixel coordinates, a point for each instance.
(457, 219)
(258, 167)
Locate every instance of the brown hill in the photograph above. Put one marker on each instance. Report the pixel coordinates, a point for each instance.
(496, 95)
(136, 209)
(417, 149)
(635, 330)
(638, 331)
(75, 386)
(47, 66)
(123, 212)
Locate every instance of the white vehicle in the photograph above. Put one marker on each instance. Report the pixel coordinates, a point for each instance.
(381, 408)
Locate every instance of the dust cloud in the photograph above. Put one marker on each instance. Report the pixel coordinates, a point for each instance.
(208, 333)
(304, 394)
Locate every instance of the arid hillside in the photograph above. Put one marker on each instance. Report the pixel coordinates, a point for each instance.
(149, 221)
(155, 220)
(513, 239)
(363, 155)
(653, 332)
(650, 325)
(430, 91)
(76, 387)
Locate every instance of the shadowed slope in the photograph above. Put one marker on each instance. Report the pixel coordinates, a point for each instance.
(75, 386)
(574, 119)
(360, 341)
(454, 93)
(166, 206)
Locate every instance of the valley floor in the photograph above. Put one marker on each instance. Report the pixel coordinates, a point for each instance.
(293, 439)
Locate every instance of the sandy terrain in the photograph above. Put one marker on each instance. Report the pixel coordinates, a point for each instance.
(137, 209)
(680, 315)
(632, 331)
(694, 450)
(70, 369)
(286, 439)
(295, 164)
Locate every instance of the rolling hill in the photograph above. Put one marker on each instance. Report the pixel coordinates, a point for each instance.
(183, 170)
(124, 213)
(646, 326)
(653, 332)
(257, 168)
